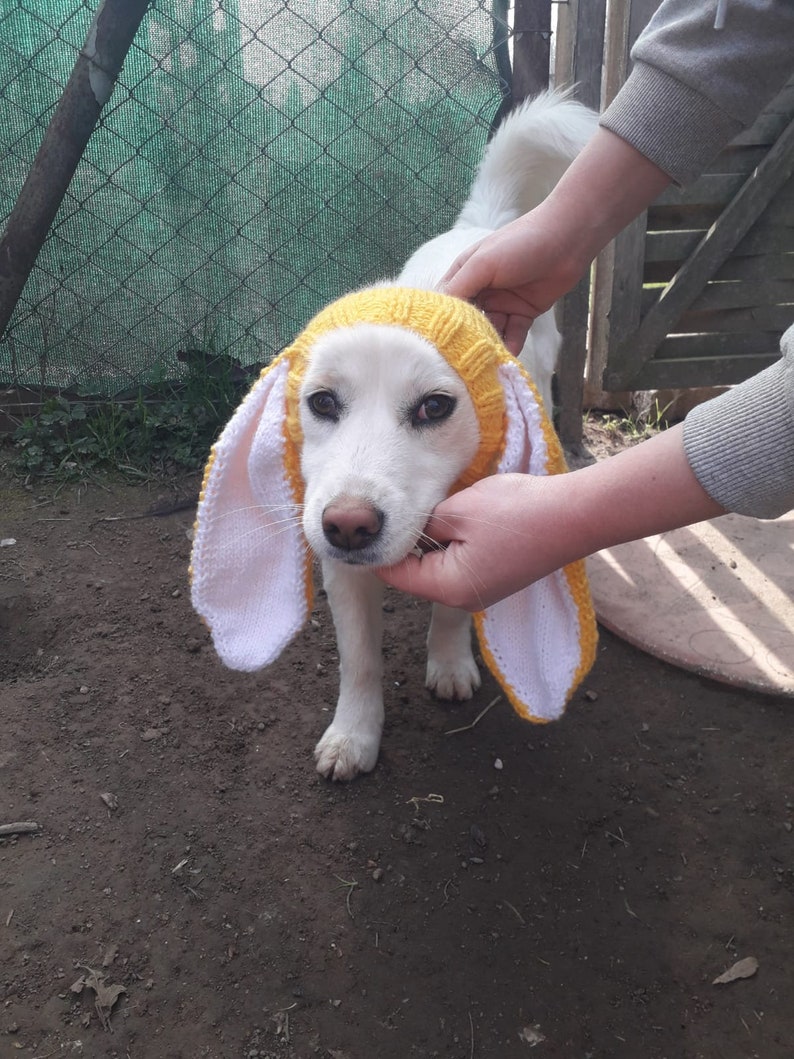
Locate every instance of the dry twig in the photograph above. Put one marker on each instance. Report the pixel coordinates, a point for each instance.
(477, 719)
(21, 827)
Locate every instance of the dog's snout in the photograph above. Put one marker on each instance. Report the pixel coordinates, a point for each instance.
(351, 523)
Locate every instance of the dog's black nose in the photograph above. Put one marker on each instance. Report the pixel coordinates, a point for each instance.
(351, 523)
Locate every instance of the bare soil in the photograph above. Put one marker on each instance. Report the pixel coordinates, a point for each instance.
(195, 889)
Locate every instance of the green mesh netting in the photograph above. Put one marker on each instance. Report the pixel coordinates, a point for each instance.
(257, 158)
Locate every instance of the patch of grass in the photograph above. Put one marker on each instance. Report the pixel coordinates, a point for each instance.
(634, 427)
(162, 429)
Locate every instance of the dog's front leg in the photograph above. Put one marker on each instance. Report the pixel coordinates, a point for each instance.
(351, 742)
(452, 672)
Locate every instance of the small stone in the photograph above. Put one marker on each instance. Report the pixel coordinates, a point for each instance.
(378, 874)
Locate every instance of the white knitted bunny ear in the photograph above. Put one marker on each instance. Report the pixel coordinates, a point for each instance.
(540, 642)
(250, 574)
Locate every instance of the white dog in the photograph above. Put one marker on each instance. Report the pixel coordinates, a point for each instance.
(386, 428)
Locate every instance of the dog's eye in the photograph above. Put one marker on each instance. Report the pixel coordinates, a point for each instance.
(434, 408)
(324, 404)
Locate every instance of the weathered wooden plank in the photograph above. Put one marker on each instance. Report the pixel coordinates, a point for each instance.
(726, 370)
(758, 266)
(589, 52)
(774, 318)
(783, 103)
(716, 188)
(531, 47)
(676, 246)
(765, 130)
(755, 267)
(586, 76)
(683, 218)
(617, 274)
(640, 16)
(716, 345)
(731, 294)
(738, 159)
(713, 189)
(699, 206)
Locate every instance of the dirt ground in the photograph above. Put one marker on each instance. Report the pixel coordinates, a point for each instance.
(195, 889)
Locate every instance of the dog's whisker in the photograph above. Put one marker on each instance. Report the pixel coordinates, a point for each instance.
(490, 523)
(264, 508)
(271, 530)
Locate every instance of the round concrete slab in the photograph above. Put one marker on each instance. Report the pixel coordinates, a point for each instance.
(716, 598)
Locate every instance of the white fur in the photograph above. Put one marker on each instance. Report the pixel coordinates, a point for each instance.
(374, 471)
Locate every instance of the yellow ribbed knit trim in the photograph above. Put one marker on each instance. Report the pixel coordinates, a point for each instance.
(204, 479)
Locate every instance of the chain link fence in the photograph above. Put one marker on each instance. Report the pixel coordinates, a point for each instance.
(256, 159)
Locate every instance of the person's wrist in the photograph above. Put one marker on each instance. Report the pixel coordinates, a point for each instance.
(554, 500)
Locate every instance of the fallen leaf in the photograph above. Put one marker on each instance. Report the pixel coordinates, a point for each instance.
(745, 968)
(110, 955)
(105, 996)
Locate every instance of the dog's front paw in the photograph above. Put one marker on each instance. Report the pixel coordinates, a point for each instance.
(453, 679)
(342, 755)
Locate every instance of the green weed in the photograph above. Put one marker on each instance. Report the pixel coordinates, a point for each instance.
(162, 429)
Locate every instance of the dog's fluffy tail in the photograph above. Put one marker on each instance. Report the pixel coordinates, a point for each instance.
(527, 155)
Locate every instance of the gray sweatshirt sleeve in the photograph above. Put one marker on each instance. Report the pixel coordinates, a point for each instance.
(741, 444)
(695, 84)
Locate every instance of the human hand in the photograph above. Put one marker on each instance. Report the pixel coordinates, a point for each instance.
(519, 271)
(496, 540)
(515, 275)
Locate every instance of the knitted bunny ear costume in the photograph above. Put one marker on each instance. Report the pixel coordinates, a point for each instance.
(251, 572)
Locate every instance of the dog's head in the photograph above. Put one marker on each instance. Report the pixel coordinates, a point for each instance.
(394, 401)
(390, 400)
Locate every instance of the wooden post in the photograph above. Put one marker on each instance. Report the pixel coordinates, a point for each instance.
(89, 88)
(584, 69)
(531, 48)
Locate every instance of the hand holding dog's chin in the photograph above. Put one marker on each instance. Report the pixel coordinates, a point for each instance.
(495, 541)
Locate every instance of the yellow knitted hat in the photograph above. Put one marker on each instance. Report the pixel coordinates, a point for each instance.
(252, 582)
(461, 333)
